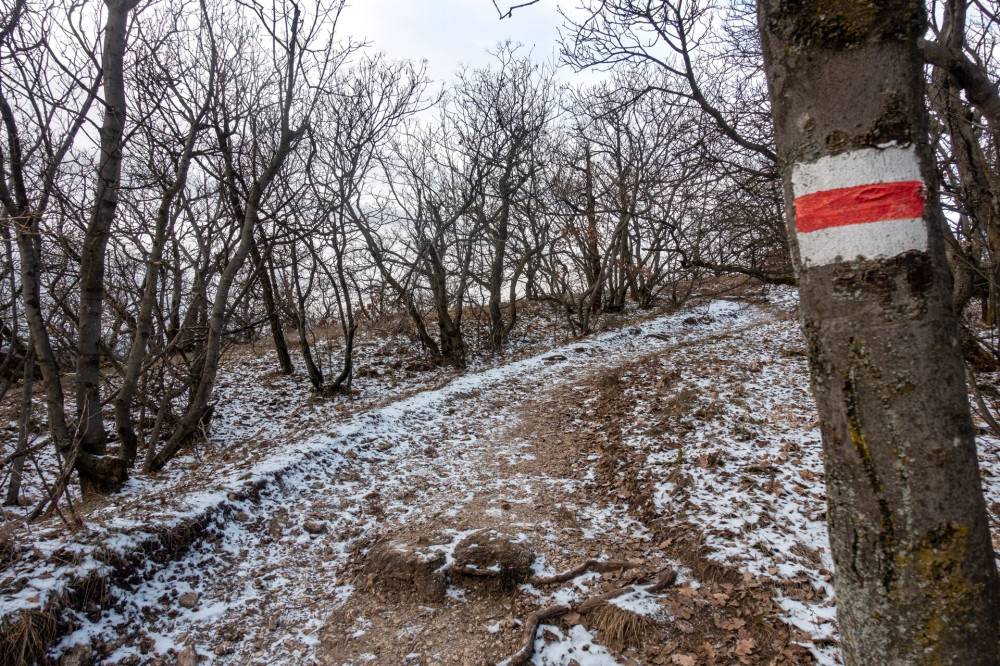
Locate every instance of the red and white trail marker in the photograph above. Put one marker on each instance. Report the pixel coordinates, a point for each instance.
(865, 203)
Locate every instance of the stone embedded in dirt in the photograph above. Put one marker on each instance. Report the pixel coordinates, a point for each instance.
(188, 657)
(494, 555)
(554, 357)
(405, 569)
(241, 517)
(189, 600)
(78, 656)
(314, 527)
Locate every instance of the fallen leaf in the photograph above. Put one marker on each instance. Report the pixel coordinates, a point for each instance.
(745, 646)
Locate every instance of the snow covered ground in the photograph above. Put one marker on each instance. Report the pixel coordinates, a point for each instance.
(689, 441)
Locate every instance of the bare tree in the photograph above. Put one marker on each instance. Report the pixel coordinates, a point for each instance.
(42, 116)
(915, 573)
(255, 140)
(501, 116)
(192, 114)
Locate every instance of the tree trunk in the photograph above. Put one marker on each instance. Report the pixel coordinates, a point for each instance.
(315, 374)
(199, 409)
(452, 343)
(175, 293)
(915, 576)
(273, 316)
(496, 280)
(93, 437)
(17, 467)
(347, 323)
(29, 242)
(404, 294)
(496, 290)
(144, 320)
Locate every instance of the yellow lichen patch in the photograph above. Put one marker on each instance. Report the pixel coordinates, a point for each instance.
(939, 562)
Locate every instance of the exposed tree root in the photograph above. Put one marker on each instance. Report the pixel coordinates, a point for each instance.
(589, 565)
(666, 579)
(523, 655)
(595, 604)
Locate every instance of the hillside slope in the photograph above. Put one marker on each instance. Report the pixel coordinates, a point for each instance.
(423, 531)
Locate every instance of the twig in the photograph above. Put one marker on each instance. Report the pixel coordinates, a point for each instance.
(510, 12)
(59, 488)
(983, 409)
(45, 486)
(20, 454)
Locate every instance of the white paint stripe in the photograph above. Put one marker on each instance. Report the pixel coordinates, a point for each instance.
(874, 240)
(865, 166)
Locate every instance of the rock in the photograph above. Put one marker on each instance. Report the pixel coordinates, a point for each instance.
(314, 527)
(405, 569)
(241, 517)
(223, 648)
(78, 656)
(554, 358)
(188, 657)
(635, 330)
(189, 600)
(494, 555)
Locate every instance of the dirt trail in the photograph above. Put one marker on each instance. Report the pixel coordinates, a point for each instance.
(525, 451)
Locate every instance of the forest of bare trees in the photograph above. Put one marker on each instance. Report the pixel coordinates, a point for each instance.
(182, 176)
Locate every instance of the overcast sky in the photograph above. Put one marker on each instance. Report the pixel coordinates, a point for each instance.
(447, 33)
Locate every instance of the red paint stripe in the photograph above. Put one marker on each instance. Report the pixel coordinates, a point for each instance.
(859, 205)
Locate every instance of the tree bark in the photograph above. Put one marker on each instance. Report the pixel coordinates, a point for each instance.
(93, 437)
(14, 489)
(144, 320)
(198, 409)
(915, 575)
(312, 370)
(271, 307)
(452, 342)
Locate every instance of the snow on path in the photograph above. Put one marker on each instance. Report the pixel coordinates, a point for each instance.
(266, 568)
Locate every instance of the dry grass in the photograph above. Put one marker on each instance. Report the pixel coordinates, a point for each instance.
(620, 628)
(25, 640)
(8, 545)
(610, 382)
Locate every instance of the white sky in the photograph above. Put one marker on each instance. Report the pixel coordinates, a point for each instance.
(449, 33)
